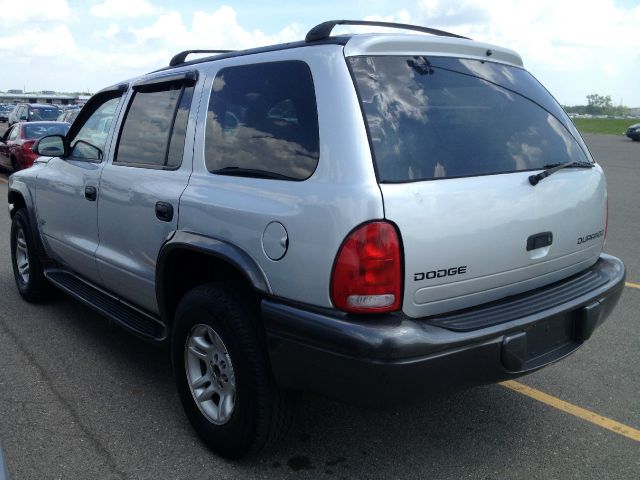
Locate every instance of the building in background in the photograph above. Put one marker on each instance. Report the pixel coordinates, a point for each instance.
(12, 96)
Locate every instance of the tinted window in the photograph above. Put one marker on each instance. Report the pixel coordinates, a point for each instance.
(263, 121)
(43, 129)
(446, 117)
(150, 136)
(43, 113)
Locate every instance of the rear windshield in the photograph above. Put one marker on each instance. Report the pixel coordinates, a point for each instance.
(43, 113)
(38, 130)
(442, 117)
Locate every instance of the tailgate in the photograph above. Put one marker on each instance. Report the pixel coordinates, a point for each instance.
(454, 142)
(465, 240)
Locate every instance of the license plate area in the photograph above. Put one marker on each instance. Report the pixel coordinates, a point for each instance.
(549, 335)
(541, 343)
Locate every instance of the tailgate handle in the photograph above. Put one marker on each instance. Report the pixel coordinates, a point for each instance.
(539, 240)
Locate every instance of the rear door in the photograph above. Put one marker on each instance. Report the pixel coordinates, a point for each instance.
(454, 143)
(8, 139)
(141, 188)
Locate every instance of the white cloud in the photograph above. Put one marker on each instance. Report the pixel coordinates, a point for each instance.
(110, 32)
(574, 47)
(562, 42)
(36, 11)
(35, 42)
(217, 30)
(124, 8)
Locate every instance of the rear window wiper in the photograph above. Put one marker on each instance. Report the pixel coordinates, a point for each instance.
(554, 167)
(251, 172)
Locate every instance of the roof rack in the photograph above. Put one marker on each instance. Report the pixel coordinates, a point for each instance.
(182, 56)
(323, 30)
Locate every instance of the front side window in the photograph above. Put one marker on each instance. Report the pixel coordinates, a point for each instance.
(90, 141)
(263, 122)
(431, 118)
(154, 129)
(14, 133)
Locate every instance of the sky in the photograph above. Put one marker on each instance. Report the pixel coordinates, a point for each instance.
(574, 47)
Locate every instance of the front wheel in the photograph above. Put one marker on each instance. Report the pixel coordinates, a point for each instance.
(223, 374)
(28, 271)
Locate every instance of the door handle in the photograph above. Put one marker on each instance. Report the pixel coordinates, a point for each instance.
(90, 193)
(539, 240)
(164, 211)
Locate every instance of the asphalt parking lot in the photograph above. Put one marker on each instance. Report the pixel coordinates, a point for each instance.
(81, 399)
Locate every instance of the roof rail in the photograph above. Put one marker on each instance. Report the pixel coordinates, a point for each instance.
(182, 56)
(323, 30)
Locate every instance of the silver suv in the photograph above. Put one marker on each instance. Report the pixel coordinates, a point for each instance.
(372, 217)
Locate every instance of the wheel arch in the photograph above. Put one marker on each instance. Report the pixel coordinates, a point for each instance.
(16, 201)
(188, 260)
(19, 198)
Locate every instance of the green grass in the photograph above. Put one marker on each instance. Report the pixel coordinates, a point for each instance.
(610, 126)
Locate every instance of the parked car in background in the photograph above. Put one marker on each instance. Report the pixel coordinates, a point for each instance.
(16, 144)
(68, 116)
(33, 112)
(5, 110)
(633, 132)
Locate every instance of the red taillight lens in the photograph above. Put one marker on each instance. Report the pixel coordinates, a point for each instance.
(367, 274)
(606, 218)
(27, 153)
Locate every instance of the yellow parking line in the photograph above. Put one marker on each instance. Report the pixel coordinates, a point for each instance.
(632, 285)
(574, 410)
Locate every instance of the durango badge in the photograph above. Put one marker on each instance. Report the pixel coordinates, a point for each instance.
(592, 236)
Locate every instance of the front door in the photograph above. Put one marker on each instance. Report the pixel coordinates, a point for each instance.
(67, 189)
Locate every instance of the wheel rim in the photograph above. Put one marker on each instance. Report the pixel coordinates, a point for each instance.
(210, 374)
(22, 256)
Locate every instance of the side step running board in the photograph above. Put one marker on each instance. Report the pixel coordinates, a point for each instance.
(139, 322)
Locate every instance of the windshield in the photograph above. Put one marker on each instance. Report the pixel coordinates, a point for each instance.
(442, 117)
(43, 113)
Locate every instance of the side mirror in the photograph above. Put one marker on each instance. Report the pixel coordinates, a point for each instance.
(51, 146)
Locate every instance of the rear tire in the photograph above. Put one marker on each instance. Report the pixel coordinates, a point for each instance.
(223, 374)
(28, 271)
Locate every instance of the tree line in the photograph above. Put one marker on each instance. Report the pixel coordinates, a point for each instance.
(598, 105)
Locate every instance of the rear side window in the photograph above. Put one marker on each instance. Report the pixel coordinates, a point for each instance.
(154, 129)
(440, 117)
(262, 121)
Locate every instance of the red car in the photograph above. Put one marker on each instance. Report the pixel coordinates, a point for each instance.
(16, 143)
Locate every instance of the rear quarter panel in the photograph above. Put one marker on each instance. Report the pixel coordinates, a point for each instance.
(318, 212)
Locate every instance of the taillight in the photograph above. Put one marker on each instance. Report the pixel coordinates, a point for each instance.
(28, 154)
(606, 217)
(367, 274)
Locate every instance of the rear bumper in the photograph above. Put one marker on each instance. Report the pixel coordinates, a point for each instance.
(392, 358)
